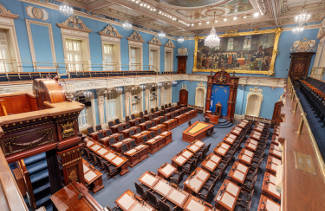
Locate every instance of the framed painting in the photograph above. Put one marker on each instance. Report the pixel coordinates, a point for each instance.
(251, 52)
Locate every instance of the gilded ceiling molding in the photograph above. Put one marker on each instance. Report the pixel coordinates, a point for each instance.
(169, 44)
(155, 41)
(110, 31)
(74, 23)
(136, 37)
(6, 13)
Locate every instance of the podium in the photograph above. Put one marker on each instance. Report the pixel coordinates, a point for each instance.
(214, 117)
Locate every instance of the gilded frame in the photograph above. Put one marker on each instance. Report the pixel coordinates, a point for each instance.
(277, 32)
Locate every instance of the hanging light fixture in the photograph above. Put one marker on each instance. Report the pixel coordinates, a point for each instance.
(212, 40)
(301, 20)
(180, 40)
(162, 34)
(126, 25)
(66, 9)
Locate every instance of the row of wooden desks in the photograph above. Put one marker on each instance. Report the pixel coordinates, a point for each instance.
(221, 149)
(267, 204)
(166, 170)
(269, 186)
(273, 165)
(227, 195)
(211, 162)
(92, 176)
(182, 157)
(128, 201)
(137, 154)
(256, 135)
(245, 156)
(238, 172)
(141, 137)
(236, 130)
(109, 155)
(177, 196)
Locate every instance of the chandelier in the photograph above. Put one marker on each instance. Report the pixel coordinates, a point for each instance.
(180, 40)
(212, 40)
(66, 9)
(162, 34)
(127, 26)
(301, 20)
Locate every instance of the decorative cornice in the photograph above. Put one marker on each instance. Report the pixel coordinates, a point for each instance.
(155, 41)
(136, 37)
(37, 13)
(110, 31)
(6, 13)
(74, 23)
(169, 44)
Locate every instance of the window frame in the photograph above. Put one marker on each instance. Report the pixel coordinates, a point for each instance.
(116, 42)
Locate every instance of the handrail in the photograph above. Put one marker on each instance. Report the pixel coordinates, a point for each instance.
(311, 135)
(10, 195)
(28, 183)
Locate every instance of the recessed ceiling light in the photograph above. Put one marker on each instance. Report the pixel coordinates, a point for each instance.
(245, 17)
(216, 21)
(234, 18)
(225, 19)
(192, 24)
(208, 22)
(256, 14)
(200, 24)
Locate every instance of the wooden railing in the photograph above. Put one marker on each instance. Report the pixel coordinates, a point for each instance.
(28, 184)
(10, 196)
(304, 122)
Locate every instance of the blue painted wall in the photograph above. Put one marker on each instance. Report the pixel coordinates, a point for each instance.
(43, 52)
(282, 61)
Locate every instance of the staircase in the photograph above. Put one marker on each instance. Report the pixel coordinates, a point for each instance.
(223, 123)
(39, 177)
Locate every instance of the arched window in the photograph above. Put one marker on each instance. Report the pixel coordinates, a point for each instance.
(254, 102)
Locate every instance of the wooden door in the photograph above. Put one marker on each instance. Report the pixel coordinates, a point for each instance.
(299, 65)
(183, 97)
(181, 67)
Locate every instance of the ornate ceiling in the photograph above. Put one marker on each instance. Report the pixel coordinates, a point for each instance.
(191, 17)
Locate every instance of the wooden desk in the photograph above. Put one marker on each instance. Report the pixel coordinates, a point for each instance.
(158, 120)
(197, 130)
(238, 172)
(146, 125)
(129, 202)
(267, 204)
(229, 140)
(196, 180)
(159, 128)
(109, 155)
(136, 121)
(256, 135)
(149, 179)
(137, 154)
(75, 197)
(117, 146)
(92, 176)
(181, 158)
(156, 143)
(221, 149)
(242, 124)
(236, 131)
(139, 137)
(272, 165)
(247, 152)
(130, 131)
(166, 170)
(245, 159)
(227, 195)
(196, 204)
(167, 135)
(271, 190)
(170, 124)
(211, 162)
(250, 145)
(118, 128)
(276, 153)
(195, 146)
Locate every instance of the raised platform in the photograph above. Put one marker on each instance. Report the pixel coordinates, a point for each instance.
(197, 130)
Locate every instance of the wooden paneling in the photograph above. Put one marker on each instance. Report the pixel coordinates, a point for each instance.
(181, 64)
(299, 65)
(17, 103)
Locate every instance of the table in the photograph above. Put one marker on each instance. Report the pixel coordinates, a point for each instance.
(118, 128)
(137, 154)
(92, 176)
(181, 158)
(229, 140)
(166, 170)
(128, 202)
(250, 145)
(167, 135)
(272, 165)
(227, 195)
(238, 172)
(195, 146)
(130, 131)
(159, 128)
(149, 179)
(196, 180)
(156, 143)
(242, 124)
(146, 125)
(247, 152)
(245, 159)
(195, 204)
(135, 121)
(139, 137)
(211, 162)
(170, 124)
(117, 146)
(158, 120)
(256, 135)
(68, 198)
(236, 131)
(108, 154)
(221, 149)
(197, 130)
(276, 153)
(268, 204)
(270, 189)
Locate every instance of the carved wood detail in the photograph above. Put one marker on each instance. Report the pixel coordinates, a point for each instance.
(110, 31)
(136, 37)
(155, 41)
(6, 13)
(169, 44)
(74, 23)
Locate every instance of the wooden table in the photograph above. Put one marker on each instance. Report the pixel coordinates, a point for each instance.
(68, 198)
(196, 180)
(245, 159)
(109, 155)
(170, 124)
(227, 195)
(211, 162)
(181, 158)
(139, 137)
(130, 131)
(229, 140)
(196, 204)
(149, 179)
(242, 124)
(250, 145)
(117, 146)
(146, 125)
(270, 189)
(158, 120)
(167, 135)
(159, 128)
(267, 204)
(136, 121)
(247, 152)
(92, 176)
(276, 153)
(221, 149)
(236, 131)
(118, 128)
(238, 172)
(166, 170)
(256, 135)
(137, 154)
(195, 146)
(197, 130)
(156, 143)
(128, 202)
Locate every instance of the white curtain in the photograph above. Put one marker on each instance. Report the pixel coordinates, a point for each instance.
(4, 52)
(74, 55)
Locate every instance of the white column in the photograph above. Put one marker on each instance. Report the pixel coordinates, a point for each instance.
(100, 100)
(93, 112)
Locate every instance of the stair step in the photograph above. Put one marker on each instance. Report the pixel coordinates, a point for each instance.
(39, 176)
(41, 189)
(45, 201)
(34, 159)
(36, 167)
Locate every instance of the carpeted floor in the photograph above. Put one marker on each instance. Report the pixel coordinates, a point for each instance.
(115, 186)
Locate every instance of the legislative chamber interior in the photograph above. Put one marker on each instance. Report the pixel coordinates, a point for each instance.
(169, 105)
